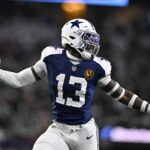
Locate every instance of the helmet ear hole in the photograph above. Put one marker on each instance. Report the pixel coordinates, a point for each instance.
(72, 37)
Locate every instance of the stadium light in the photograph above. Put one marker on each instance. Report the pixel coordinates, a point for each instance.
(119, 3)
(74, 10)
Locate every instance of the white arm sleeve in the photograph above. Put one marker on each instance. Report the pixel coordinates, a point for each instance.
(104, 81)
(25, 77)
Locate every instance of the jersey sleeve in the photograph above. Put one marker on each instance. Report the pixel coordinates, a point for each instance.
(45, 52)
(39, 69)
(106, 65)
(50, 50)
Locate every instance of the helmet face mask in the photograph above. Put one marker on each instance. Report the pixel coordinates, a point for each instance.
(82, 36)
(91, 42)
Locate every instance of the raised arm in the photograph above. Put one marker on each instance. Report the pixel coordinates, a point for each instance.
(118, 93)
(25, 77)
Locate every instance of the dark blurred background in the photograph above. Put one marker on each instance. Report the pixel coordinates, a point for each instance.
(27, 28)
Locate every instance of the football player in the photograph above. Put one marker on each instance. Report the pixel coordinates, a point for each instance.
(73, 73)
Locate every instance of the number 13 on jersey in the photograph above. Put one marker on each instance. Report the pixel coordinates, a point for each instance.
(81, 93)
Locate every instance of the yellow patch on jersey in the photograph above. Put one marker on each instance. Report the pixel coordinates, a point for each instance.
(89, 74)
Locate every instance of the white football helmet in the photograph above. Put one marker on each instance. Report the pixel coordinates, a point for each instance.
(81, 35)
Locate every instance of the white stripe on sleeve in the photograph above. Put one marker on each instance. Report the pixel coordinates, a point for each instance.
(113, 90)
(131, 102)
(143, 106)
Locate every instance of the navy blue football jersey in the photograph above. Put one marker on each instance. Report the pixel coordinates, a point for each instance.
(72, 86)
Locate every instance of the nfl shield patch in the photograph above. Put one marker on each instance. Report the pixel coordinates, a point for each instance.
(74, 68)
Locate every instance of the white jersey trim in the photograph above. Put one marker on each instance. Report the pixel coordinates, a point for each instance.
(104, 64)
(51, 51)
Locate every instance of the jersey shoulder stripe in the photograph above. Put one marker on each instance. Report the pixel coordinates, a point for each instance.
(104, 63)
(50, 50)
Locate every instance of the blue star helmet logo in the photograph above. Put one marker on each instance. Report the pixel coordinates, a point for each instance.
(75, 23)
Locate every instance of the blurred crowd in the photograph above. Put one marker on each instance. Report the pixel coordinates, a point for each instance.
(24, 31)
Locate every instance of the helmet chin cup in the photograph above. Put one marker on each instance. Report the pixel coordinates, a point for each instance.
(85, 55)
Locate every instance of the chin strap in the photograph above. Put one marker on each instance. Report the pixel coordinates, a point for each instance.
(85, 55)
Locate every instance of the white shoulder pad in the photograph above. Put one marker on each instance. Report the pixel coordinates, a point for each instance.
(105, 64)
(50, 50)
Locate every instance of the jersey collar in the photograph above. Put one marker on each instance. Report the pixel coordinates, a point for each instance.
(71, 57)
